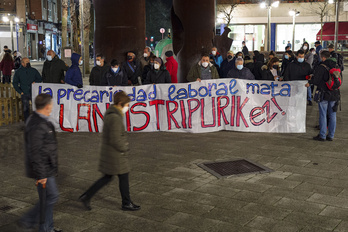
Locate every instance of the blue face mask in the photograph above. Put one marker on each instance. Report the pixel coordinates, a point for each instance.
(286, 57)
(300, 60)
(240, 67)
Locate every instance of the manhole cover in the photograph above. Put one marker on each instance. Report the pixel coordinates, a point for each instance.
(233, 168)
(5, 208)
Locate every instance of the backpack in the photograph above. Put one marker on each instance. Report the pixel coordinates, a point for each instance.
(334, 81)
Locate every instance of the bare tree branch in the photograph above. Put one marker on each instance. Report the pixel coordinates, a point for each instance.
(227, 12)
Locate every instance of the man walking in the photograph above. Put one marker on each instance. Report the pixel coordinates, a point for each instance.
(53, 69)
(328, 100)
(24, 77)
(41, 163)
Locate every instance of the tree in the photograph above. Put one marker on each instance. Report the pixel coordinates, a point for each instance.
(86, 12)
(322, 10)
(64, 22)
(74, 29)
(226, 11)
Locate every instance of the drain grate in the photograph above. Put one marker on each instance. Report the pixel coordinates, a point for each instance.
(5, 208)
(233, 168)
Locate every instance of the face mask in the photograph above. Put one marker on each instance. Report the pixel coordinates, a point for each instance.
(145, 55)
(275, 66)
(156, 66)
(229, 57)
(314, 53)
(114, 69)
(214, 53)
(305, 47)
(240, 67)
(300, 60)
(125, 109)
(240, 57)
(98, 62)
(205, 64)
(28, 65)
(49, 58)
(129, 57)
(286, 57)
(81, 62)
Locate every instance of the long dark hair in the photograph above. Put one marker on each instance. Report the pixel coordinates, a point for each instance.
(7, 57)
(271, 63)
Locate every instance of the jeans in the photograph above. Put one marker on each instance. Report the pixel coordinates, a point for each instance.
(6, 79)
(32, 217)
(309, 94)
(26, 105)
(123, 186)
(326, 113)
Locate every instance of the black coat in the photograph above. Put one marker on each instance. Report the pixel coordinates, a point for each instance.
(146, 69)
(157, 77)
(285, 63)
(267, 75)
(225, 67)
(241, 74)
(134, 72)
(41, 155)
(53, 71)
(257, 70)
(321, 75)
(245, 51)
(97, 74)
(297, 71)
(114, 79)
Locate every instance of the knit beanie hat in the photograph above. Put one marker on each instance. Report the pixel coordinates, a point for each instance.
(169, 53)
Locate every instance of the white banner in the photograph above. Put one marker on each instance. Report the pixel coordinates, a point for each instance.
(199, 107)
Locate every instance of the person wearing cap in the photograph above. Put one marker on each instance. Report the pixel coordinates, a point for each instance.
(145, 58)
(172, 66)
(227, 65)
(203, 70)
(216, 56)
(158, 74)
(132, 68)
(338, 58)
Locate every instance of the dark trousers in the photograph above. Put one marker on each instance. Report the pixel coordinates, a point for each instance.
(32, 217)
(123, 186)
(26, 105)
(6, 79)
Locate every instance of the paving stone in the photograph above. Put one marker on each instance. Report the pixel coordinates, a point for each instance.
(301, 206)
(342, 227)
(103, 228)
(279, 182)
(268, 224)
(335, 212)
(267, 211)
(240, 184)
(329, 200)
(178, 205)
(218, 190)
(315, 188)
(235, 217)
(300, 170)
(312, 220)
(289, 193)
(69, 222)
(308, 178)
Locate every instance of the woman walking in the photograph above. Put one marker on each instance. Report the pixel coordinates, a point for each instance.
(6, 66)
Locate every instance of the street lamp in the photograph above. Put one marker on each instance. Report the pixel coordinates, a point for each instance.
(293, 13)
(269, 4)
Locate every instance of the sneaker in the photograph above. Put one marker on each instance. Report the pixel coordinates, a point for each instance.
(130, 207)
(329, 139)
(318, 138)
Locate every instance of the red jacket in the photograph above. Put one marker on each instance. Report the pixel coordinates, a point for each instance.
(172, 67)
(6, 67)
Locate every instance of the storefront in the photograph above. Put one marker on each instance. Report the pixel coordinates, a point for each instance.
(52, 37)
(32, 39)
(329, 35)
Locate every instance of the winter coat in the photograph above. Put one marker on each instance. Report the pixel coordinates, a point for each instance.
(73, 75)
(241, 74)
(285, 63)
(245, 51)
(172, 67)
(339, 59)
(23, 79)
(317, 50)
(146, 70)
(267, 75)
(195, 72)
(297, 71)
(41, 153)
(6, 67)
(157, 77)
(97, 74)
(53, 71)
(226, 66)
(321, 75)
(17, 62)
(257, 67)
(114, 79)
(114, 148)
(218, 59)
(249, 65)
(309, 58)
(134, 72)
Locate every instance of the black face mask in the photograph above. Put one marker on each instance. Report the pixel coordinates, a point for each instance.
(275, 66)
(229, 57)
(129, 57)
(28, 65)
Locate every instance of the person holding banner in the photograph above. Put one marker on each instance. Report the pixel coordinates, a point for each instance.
(158, 74)
(114, 154)
(227, 65)
(73, 75)
(132, 68)
(204, 70)
(114, 76)
(240, 72)
(270, 72)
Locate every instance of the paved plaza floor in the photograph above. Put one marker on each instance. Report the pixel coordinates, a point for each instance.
(308, 190)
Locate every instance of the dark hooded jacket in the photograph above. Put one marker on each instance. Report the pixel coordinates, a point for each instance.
(260, 59)
(53, 71)
(114, 79)
(132, 70)
(226, 66)
(73, 75)
(321, 75)
(297, 71)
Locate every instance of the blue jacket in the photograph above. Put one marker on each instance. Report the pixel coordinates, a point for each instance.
(73, 75)
(317, 50)
(218, 59)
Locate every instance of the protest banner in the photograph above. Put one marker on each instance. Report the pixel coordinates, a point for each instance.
(198, 107)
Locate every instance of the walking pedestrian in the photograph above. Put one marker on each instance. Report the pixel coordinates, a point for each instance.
(114, 76)
(6, 66)
(41, 162)
(114, 154)
(245, 49)
(17, 59)
(73, 75)
(53, 69)
(158, 74)
(172, 66)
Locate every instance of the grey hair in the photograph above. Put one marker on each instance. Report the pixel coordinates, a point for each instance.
(239, 59)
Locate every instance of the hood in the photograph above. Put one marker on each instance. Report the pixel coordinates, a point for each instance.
(330, 63)
(75, 59)
(264, 67)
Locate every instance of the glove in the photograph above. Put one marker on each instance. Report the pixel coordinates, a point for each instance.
(79, 86)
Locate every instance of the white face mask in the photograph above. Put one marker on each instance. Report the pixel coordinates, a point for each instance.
(114, 69)
(49, 58)
(81, 62)
(214, 53)
(156, 66)
(125, 109)
(314, 53)
(205, 64)
(305, 47)
(98, 62)
(240, 56)
(145, 55)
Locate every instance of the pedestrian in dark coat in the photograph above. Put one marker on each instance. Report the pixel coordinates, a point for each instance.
(6, 66)
(245, 49)
(41, 162)
(98, 71)
(132, 68)
(53, 69)
(260, 61)
(114, 76)
(73, 75)
(227, 65)
(158, 74)
(17, 59)
(240, 72)
(172, 66)
(114, 154)
(288, 58)
(297, 70)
